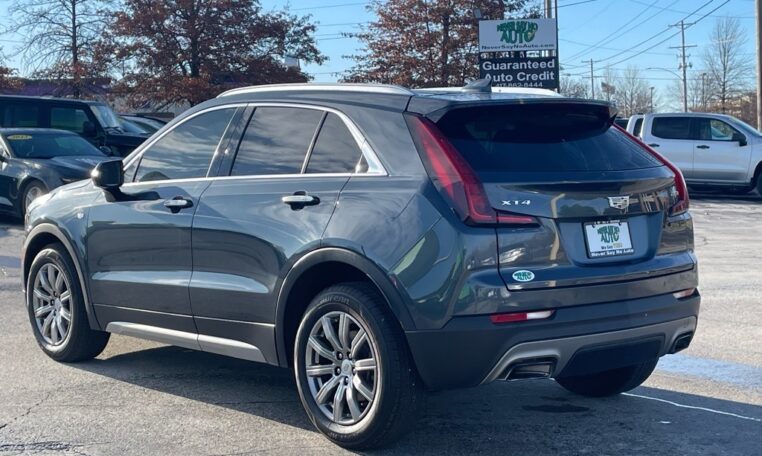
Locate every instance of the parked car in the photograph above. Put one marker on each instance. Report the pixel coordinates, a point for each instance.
(711, 150)
(621, 121)
(35, 161)
(148, 124)
(377, 240)
(93, 120)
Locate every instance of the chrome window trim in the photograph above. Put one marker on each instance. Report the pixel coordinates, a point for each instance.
(375, 167)
(338, 87)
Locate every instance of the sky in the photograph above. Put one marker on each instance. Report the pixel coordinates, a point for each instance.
(611, 32)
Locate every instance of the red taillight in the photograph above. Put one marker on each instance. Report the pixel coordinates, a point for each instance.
(683, 201)
(520, 316)
(455, 179)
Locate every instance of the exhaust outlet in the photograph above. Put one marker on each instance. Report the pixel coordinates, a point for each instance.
(681, 343)
(529, 369)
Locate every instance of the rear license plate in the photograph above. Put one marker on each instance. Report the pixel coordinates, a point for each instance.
(606, 239)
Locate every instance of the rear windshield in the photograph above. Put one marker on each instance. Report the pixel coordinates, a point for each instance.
(542, 138)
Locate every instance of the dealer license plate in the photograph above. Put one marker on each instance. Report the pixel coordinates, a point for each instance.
(606, 239)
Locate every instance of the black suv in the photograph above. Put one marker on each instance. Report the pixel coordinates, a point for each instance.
(93, 120)
(378, 240)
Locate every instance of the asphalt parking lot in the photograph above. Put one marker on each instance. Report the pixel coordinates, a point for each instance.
(144, 398)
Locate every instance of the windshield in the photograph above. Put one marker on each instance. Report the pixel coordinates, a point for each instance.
(743, 126)
(49, 145)
(106, 117)
(132, 127)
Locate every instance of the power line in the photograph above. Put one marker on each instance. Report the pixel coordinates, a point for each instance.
(671, 36)
(608, 38)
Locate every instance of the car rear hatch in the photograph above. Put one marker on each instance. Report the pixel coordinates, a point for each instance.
(577, 200)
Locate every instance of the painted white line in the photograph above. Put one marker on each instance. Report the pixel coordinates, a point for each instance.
(718, 412)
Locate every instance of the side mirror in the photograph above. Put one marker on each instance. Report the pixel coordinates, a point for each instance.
(740, 139)
(106, 150)
(88, 129)
(108, 175)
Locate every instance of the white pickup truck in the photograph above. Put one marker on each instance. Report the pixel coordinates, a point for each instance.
(710, 149)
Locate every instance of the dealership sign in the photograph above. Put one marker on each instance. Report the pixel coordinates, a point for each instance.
(539, 72)
(517, 35)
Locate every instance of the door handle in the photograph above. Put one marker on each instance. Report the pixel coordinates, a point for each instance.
(177, 203)
(702, 146)
(653, 145)
(300, 199)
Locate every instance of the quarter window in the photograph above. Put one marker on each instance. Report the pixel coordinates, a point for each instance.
(72, 119)
(276, 141)
(672, 127)
(187, 150)
(335, 150)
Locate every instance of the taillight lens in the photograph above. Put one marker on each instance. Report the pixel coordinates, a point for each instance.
(683, 201)
(455, 179)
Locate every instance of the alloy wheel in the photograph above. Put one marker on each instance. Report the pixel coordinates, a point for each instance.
(32, 194)
(341, 367)
(51, 304)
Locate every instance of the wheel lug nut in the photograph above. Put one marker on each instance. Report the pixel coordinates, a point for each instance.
(338, 371)
(346, 381)
(339, 356)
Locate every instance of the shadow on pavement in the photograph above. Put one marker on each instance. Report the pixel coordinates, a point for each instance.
(534, 417)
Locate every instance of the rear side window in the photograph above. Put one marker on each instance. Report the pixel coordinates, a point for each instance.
(72, 119)
(187, 150)
(335, 150)
(542, 138)
(276, 141)
(20, 115)
(671, 127)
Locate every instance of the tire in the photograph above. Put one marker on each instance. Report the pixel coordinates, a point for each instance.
(611, 382)
(759, 184)
(393, 385)
(62, 329)
(31, 191)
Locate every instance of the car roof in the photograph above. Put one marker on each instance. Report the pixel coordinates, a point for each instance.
(422, 101)
(49, 99)
(34, 131)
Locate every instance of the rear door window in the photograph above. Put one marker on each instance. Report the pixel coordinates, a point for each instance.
(638, 126)
(542, 138)
(276, 141)
(672, 127)
(186, 151)
(336, 150)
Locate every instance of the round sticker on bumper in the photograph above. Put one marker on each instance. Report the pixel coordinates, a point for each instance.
(523, 276)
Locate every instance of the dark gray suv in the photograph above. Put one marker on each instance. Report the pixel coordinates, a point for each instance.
(379, 241)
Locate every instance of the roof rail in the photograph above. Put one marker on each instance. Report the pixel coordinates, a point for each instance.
(342, 87)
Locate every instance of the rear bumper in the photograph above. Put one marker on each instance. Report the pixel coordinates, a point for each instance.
(470, 351)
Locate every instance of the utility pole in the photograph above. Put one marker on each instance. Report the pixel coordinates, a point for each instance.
(684, 58)
(759, 64)
(592, 78)
(703, 92)
(652, 99)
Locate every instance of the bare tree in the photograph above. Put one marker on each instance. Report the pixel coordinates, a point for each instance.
(726, 67)
(574, 87)
(633, 94)
(59, 37)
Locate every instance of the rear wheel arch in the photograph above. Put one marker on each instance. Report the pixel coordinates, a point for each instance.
(317, 271)
(43, 235)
